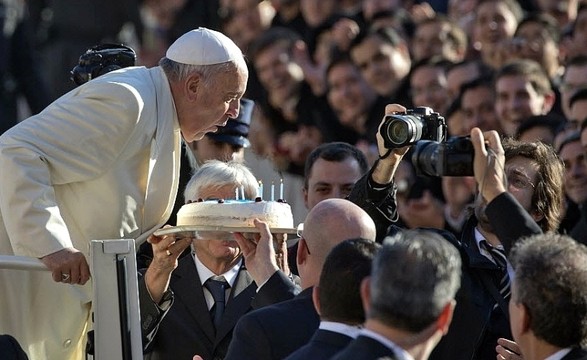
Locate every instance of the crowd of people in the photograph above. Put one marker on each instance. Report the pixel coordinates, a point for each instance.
(298, 91)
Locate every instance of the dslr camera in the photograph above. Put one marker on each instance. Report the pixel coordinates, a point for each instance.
(101, 59)
(421, 123)
(453, 157)
(433, 154)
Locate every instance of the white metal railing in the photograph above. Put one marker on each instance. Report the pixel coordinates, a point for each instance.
(117, 331)
(21, 263)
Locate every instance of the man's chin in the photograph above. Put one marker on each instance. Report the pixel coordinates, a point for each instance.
(198, 136)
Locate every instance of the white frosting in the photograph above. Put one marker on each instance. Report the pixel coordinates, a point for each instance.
(235, 213)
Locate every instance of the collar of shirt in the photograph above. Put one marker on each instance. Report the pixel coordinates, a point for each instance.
(345, 329)
(204, 273)
(400, 353)
(559, 354)
(478, 238)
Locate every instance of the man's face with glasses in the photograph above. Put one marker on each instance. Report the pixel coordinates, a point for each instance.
(521, 174)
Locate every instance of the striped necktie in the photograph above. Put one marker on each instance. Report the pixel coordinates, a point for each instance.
(500, 259)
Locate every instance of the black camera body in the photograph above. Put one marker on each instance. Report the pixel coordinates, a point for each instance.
(453, 157)
(101, 59)
(421, 123)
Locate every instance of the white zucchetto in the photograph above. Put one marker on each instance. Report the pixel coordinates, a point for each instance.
(203, 46)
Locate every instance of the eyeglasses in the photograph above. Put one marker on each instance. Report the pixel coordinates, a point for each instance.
(300, 234)
(518, 180)
(300, 230)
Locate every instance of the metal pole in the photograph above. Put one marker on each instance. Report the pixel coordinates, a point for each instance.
(21, 263)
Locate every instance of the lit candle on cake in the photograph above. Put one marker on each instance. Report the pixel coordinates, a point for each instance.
(236, 193)
(281, 189)
(260, 190)
(243, 192)
(272, 191)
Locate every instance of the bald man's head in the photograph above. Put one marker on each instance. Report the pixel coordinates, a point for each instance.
(329, 223)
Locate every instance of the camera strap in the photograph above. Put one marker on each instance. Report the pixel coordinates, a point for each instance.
(385, 155)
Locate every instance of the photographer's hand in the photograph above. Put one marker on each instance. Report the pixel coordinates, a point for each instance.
(388, 163)
(489, 163)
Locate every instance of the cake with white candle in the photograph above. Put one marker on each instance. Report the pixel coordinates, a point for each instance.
(236, 213)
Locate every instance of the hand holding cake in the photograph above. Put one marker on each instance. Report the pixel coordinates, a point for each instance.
(259, 253)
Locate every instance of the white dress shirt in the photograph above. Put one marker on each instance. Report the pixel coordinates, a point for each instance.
(399, 352)
(205, 274)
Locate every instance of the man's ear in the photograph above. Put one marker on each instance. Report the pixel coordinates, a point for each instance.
(192, 86)
(302, 253)
(536, 215)
(305, 193)
(549, 100)
(366, 294)
(445, 318)
(316, 298)
(525, 319)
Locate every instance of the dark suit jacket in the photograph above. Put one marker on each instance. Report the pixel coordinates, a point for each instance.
(576, 354)
(477, 323)
(187, 329)
(275, 331)
(324, 344)
(10, 349)
(365, 348)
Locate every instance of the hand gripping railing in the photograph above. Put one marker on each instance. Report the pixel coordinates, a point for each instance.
(21, 263)
(114, 271)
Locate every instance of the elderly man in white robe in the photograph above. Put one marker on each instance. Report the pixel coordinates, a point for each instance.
(101, 162)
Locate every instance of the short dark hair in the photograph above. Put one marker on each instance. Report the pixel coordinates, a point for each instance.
(387, 34)
(569, 139)
(272, 36)
(547, 22)
(578, 96)
(455, 34)
(582, 7)
(579, 60)
(480, 82)
(345, 267)
(513, 6)
(482, 68)
(415, 274)
(550, 275)
(533, 71)
(554, 123)
(334, 151)
(436, 61)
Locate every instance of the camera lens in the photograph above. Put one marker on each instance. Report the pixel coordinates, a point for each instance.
(401, 130)
(398, 132)
(453, 157)
(425, 157)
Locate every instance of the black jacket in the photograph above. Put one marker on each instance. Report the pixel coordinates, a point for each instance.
(481, 314)
(275, 331)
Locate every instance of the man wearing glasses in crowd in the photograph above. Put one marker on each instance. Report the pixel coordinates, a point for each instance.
(531, 180)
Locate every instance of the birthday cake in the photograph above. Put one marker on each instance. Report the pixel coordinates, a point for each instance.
(236, 213)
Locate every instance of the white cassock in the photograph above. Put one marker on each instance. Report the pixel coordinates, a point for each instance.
(101, 162)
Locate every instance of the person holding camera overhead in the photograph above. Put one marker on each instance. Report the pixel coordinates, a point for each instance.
(102, 162)
(519, 192)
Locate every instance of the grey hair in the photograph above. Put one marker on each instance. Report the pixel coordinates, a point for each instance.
(178, 72)
(551, 282)
(215, 174)
(414, 276)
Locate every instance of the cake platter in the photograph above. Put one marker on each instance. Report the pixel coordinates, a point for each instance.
(190, 230)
